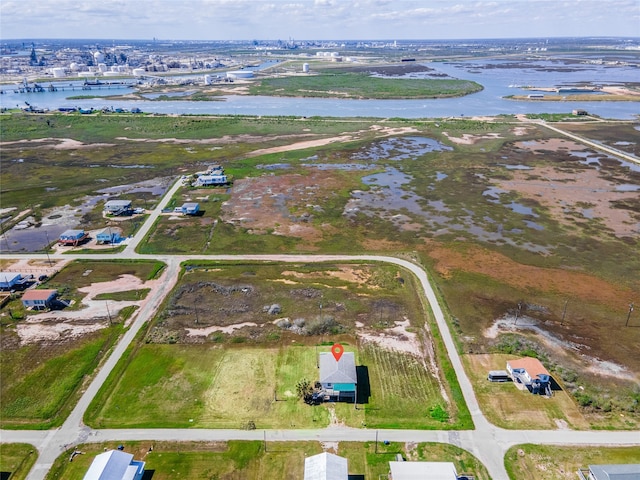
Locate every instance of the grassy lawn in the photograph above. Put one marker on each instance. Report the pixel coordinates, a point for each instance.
(404, 394)
(552, 462)
(16, 459)
(206, 386)
(40, 383)
(236, 460)
(507, 407)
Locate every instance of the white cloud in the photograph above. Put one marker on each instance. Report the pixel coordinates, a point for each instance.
(311, 19)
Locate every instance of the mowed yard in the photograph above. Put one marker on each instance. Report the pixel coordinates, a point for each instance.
(204, 386)
(248, 460)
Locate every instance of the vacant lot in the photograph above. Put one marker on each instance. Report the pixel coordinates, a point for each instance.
(237, 460)
(552, 462)
(16, 460)
(221, 387)
(47, 357)
(232, 335)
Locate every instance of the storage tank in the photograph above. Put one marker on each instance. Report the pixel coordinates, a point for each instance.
(207, 79)
(112, 74)
(305, 68)
(74, 67)
(58, 72)
(240, 74)
(102, 67)
(98, 57)
(139, 72)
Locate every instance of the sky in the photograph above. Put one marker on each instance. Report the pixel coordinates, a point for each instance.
(317, 19)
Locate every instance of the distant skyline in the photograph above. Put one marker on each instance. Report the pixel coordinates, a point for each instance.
(317, 19)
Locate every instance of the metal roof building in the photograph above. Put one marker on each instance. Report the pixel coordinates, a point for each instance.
(9, 279)
(338, 378)
(423, 471)
(611, 472)
(326, 466)
(115, 465)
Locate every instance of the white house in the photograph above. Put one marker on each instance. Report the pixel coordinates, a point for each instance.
(529, 373)
(216, 179)
(118, 207)
(423, 471)
(326, 466)
(115, 465)
(190, 208)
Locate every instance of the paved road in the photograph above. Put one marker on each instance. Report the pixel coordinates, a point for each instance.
(598, 146)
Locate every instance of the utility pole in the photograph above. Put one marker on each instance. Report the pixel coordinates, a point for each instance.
(46, 248)
(629, 314)
(518, 312)
(376, 441)
(106, 302)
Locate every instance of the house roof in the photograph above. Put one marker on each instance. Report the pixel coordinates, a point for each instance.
(532, 365)
(326, 466)
(110, 231)
(117, 203)
(8, 277)
(72, 233)
(43, 294)
(423, 471)
(342, 371)
(615, 472)
(111, 465)
(190, 205)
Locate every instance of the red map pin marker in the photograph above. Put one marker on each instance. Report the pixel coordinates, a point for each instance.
(337, 351)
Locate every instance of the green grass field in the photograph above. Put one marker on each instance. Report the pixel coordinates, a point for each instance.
(357, 85)
(552, 462)
(236, 460)
(39, 384)
(16, 459)
(209, 386)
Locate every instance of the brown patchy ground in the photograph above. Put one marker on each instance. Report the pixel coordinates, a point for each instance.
(500, 267)
(570, 189)
(268, 202)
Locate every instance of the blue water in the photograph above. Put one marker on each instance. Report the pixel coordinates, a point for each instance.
(496, 81)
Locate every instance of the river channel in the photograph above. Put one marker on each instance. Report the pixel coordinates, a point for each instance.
(499, 78)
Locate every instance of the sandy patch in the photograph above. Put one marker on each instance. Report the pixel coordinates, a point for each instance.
(564, 348)
(299, 145)
(469, 139)
(59, 143)
(395, 338)
(33, 333)
(93, 315)
(204, 332)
